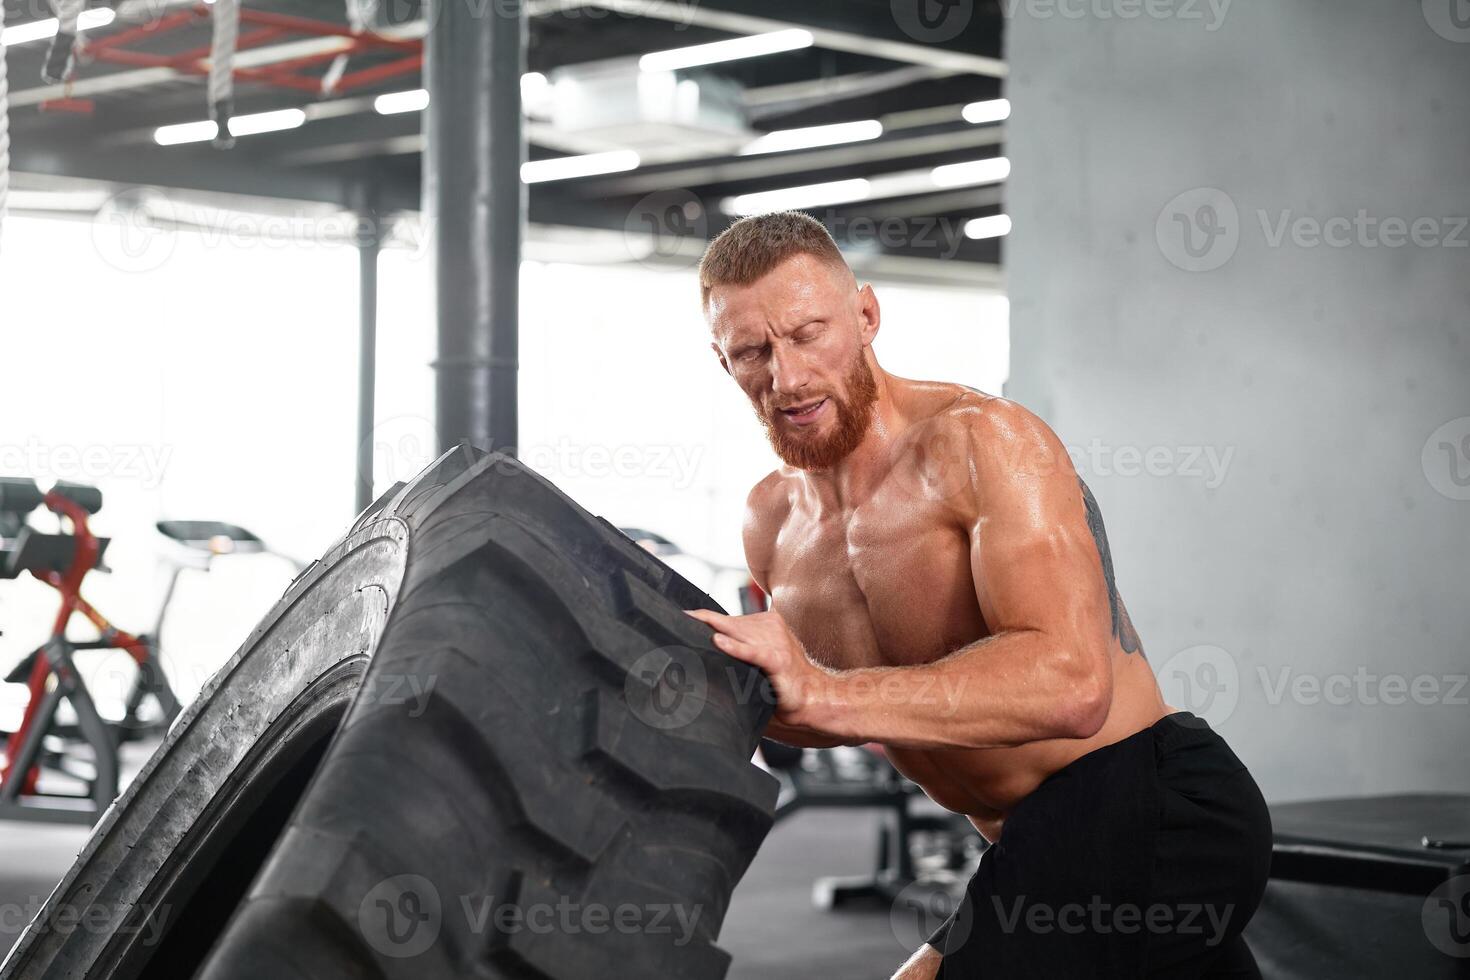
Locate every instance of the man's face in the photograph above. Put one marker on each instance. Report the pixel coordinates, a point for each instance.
(795, 341)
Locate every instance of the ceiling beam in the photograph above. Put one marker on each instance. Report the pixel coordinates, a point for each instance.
(704, 14)
(785, 164)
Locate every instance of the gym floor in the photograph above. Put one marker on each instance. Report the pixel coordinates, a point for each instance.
(772, 930)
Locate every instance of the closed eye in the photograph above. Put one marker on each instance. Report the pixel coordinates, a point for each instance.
(809, 332)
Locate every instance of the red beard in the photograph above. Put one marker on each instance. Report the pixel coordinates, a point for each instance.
(808, 451)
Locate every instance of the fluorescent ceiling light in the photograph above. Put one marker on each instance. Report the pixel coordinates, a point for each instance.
(810, 136)
(750, 46)
(792, 198)
(991, 226)
(392, 102)
(582, 165)
(989, 111)
(190, 132)
(266, 122)
(974, 172)
(40, 30)
(248, 125)
(533, 86)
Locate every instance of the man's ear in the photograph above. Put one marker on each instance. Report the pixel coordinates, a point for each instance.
(721, 355)
(869, 315)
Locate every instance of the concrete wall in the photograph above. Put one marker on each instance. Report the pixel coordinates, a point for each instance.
(1288, 589)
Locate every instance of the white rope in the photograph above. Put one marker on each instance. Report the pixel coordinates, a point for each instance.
(360, 13)
(4, 122)
(225, 15)
(59, 55)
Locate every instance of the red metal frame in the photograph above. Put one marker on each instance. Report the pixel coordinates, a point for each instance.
(69, 584)
(263, 27)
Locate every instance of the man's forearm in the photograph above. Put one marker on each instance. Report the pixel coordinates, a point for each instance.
(1004, 690)
(804, 738)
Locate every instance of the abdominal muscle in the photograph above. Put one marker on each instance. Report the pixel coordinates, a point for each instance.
(986, 784)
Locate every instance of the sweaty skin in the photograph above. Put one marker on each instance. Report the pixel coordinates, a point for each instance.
(945, 588)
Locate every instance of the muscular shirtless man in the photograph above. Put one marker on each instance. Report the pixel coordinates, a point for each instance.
(941, 584)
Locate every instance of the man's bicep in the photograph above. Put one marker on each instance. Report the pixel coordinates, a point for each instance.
(1033, 555)
(758, 532)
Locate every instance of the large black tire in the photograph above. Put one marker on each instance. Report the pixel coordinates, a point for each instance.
(545, 773)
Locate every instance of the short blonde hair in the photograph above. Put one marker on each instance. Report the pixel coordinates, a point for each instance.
(752, 247)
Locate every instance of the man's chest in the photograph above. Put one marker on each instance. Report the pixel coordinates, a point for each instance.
(880, 585)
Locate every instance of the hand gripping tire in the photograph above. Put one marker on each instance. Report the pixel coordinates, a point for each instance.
(544, 770)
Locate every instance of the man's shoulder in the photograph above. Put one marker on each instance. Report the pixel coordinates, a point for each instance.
(766, 508)
(976, 447)
(993, 428)
(770, 498)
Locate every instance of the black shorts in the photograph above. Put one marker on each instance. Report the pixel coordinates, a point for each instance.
(1144, 858)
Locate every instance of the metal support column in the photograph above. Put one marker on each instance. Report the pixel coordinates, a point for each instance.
(369, 244)
(474, 206)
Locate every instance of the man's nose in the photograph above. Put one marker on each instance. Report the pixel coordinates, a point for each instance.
(789, 371)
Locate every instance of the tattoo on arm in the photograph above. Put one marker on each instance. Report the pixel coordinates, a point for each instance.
(1123, 630)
